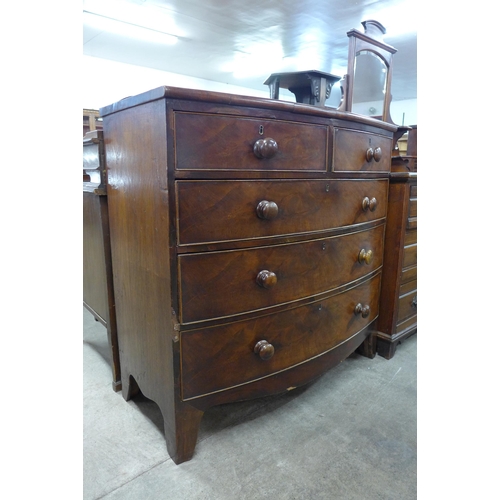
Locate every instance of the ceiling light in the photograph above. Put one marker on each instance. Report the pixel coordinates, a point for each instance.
(129, 30)
(258, 58)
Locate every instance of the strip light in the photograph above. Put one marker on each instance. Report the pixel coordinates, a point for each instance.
(127, 29)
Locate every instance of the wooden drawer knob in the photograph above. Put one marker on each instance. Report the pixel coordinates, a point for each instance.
(267, 210)
(365, 256)
(265, 148)
(369, 204)
(264, 349)
(266, 279)
(363, 310)
(373, 154)
(414, 302)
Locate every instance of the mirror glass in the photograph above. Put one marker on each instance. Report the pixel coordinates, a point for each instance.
(370, 79)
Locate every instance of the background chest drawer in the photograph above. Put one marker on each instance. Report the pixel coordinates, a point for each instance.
(409, 274)
(412, 210)
(219, 358)
(410, 256)
(211, 211)
(355, 151)
(410, 237)
(239, 143)
(407, 305)
(217, 284)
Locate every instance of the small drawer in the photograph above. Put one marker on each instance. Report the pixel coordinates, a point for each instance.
(407, 325)
(413, 191)
(410, 256)
(221, 142)
(407, 306)
(212, 211)
(410, 237)
(361, 151)
(412, 208)
(410, 286)
(226, 283)
(216, 359)
(409, 274)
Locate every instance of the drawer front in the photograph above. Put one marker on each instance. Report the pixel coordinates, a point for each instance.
(412, 210)
(215, 359)
(210, 211)
(407, 306)
(409, 274)
(409, 287)
(411, 223)
(220, 142)
(410, 256)
(352, 152)
(218, 284)
(410, 237)
(413, 191)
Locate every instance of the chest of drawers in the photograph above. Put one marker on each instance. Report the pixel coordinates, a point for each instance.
(398, 300)
(98, 295)
(247, 243)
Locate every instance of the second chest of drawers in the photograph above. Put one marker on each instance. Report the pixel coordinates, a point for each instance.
(398, 308)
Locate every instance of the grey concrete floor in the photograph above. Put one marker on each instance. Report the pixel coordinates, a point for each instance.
(350, 435)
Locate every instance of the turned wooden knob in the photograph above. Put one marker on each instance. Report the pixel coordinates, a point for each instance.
(365, 256)
(264, 349)
(265, 148)
(369, 154)
(267, 210)
(368, 204)
(374, 154)
(266, 279)
(363, 310)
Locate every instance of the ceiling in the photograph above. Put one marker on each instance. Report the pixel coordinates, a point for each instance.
(241, 42)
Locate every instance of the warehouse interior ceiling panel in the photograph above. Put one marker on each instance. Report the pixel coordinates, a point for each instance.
(241, 42)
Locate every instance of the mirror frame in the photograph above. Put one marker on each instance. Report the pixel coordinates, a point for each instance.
(370, 40)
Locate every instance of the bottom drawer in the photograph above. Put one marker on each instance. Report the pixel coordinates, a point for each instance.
(218, 358)
(407, 305)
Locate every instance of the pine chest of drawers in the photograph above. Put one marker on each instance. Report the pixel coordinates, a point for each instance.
(247, 244)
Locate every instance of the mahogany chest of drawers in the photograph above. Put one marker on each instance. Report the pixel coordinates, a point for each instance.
(98, 295)
(398, 300)
(247, 243)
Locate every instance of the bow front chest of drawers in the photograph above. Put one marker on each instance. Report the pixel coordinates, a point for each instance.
(247, 243)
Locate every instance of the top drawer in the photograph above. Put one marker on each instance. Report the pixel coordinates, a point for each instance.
(222, 142)
(361, 151)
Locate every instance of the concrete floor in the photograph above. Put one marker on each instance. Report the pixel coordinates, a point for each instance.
(350, 435)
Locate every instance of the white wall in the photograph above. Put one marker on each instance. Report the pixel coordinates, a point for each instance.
(408, 107)
(106, 82)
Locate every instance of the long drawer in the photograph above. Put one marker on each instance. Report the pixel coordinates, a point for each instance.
(211, 211)
(219, 358)
(361, 151)
(218, 284)
(223, 142)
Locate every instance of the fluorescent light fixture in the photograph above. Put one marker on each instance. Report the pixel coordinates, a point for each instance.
(129, 30)
(258, 58)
